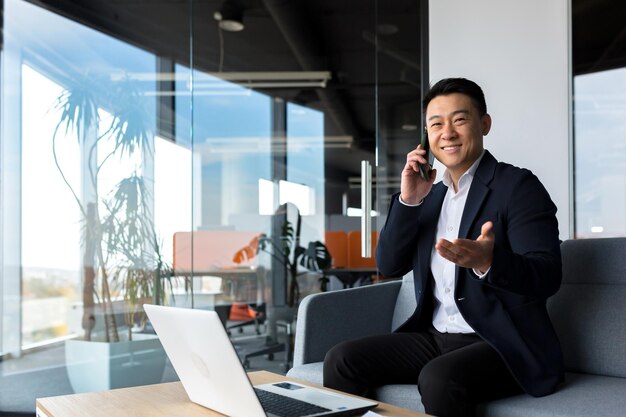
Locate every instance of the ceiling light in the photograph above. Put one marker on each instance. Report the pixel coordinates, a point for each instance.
(270, 79)
(229, 17)
(230, 80)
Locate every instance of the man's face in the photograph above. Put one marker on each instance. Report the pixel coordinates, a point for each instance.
(455, 131)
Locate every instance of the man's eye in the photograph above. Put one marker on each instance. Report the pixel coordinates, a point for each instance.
(437, 124)
(460, 120)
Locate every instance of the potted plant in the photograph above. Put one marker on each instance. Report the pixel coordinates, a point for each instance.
(123, 266)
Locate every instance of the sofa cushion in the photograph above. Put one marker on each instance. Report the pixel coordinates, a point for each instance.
(589, 321)
(310, 372)
(405, 396)
(588, 310)
(580, 396)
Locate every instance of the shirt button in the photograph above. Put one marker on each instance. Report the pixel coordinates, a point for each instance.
(447, 290)
(450, 318)
(450, 228)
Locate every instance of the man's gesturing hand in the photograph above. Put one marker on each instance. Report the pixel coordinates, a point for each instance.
(476, 254)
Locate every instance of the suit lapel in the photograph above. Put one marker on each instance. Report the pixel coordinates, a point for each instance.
(477, 193)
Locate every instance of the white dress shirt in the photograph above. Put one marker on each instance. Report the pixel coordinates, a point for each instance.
(446, 315)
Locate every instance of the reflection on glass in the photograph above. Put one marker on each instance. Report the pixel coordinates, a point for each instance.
(232, 140)
(600, 177)
(172, 192)
(305, 168)
(302, 196)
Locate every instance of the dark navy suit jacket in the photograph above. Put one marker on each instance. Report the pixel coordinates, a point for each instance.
(508, 307)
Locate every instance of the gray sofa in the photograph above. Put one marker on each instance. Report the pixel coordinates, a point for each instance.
(588, 312)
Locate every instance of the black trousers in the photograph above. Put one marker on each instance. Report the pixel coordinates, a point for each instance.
(453, 372)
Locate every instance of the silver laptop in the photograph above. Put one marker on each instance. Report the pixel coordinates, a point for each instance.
(210, 371)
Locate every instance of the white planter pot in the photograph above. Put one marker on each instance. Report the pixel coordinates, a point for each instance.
(98, 366)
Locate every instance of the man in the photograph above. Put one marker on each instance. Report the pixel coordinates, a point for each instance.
(483, 246)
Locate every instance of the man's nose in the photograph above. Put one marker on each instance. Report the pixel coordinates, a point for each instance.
(448, 131)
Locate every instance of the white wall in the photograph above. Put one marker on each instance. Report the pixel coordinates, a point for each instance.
(519, 53)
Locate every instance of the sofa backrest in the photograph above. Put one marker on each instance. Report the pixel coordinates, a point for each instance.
(589, 310)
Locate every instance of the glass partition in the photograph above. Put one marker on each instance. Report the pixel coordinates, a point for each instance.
(83, 131)
(90, 202)
(50, 249)
(151, 154)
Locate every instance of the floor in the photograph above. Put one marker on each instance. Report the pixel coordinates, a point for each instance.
(43, 373)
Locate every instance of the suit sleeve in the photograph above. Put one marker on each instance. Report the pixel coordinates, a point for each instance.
(398, 239)
(528, 260)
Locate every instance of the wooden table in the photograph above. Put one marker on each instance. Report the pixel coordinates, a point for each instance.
(167, 399)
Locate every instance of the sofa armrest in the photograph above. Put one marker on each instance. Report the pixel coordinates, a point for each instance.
(326, 319)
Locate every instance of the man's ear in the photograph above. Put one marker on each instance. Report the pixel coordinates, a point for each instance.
(486, 123)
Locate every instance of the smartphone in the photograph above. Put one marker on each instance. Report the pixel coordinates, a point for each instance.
(425, 169)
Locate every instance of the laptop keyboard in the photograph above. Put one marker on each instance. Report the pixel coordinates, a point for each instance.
(286, 406)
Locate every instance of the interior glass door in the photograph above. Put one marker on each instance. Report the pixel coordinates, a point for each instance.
(284, 111)
(401, 75)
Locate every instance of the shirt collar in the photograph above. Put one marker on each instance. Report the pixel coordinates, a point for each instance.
(467, 175)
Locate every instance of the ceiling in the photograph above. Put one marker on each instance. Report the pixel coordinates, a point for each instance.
(372, 91)
(282, 35)
(598, 35)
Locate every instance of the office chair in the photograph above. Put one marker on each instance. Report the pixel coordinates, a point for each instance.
(276, 346)
(246, 314)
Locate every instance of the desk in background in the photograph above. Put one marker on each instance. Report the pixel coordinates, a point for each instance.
(160, 400)
(211, 253)
(348, 265)
(243, 284)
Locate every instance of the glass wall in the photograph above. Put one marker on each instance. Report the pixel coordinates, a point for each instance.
(80, 135)
(90, 202)
(149, 153)
(50, 249)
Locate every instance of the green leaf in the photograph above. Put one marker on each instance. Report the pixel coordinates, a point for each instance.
(316, 257)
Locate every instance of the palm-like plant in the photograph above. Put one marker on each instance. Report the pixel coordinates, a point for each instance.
(121, 251)
(286, 250)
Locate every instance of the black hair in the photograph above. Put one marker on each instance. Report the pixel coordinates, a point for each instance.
(457, 85)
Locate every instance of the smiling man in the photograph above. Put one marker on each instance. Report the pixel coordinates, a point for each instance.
(483, 247)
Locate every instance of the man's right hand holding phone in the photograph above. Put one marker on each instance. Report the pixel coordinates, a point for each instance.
(414, 188)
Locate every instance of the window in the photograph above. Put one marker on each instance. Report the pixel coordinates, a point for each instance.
(599, 61)
(50, 217)
(600, 126)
